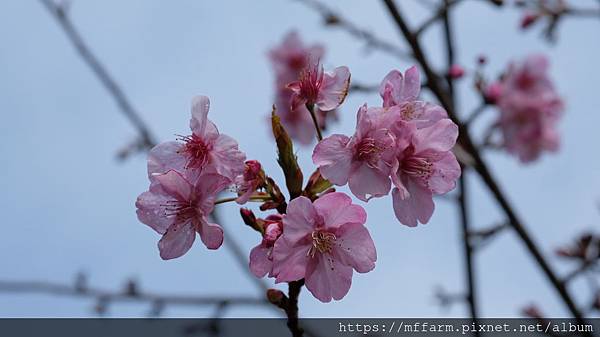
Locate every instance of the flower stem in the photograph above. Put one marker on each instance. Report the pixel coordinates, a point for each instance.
(311, 109)
(254, 198)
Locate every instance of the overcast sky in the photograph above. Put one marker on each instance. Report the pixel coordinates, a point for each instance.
(68, 204)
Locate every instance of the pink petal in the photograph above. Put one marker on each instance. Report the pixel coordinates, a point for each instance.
(412, 84)
(290, 260)
(164, 157)
(445, 172)
(366, 182)
(227, 160)
(260, 264)
(417, 207)
(327, 278)
(441, 136)
(334, 89)
(396, 89)
(151, 211)
(200, 107)
(177, 240)
(211, 234)
(300, 220)
(334, 158)
(207, 188)
(175, 185)
(355, 247)
(337, 209)
(423, 114)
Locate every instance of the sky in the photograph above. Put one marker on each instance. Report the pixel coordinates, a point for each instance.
(68, 204)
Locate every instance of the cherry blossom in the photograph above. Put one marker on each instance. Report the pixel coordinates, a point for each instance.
(326, 90)
(261, 256)
(248, 182)
(530, 108)
(178, 209)
(425, 166)
(400, 93)
(322, 242)
(205, 150)
(364, 160)
(288, 60)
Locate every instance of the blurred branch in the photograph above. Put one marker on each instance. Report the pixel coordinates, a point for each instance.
(331, 18)
(59, 12)
(439, 15)
(435, 85)
(471, 295)
(130, 293)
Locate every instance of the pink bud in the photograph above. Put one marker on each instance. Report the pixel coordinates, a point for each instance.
(456, 71)
(275, 296)
(528, 19)
(493, 92)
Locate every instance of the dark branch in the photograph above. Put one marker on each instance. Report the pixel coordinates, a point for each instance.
(59, 13)
(331, 18)
(434, 84)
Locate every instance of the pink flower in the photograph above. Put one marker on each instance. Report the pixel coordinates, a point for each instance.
(425, 166)
(291, 57)
(493, 92)
(456, 71)
(177, 209)
(400, 93)
(397, 88)
(261, 256)
(529, 109)
(323, 242)
(364, 160)
(288, 60)
(315, 87)
(205, 150)
(250, 181)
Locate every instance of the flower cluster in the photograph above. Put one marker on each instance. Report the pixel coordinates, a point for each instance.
(406, 144)
(290, 61)
(529, 109)
(319, 236)
(185, 178)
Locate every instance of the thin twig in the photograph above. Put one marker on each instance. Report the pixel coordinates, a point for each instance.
(331, 18)
(59, 289)
(59, 13)
(434, 84)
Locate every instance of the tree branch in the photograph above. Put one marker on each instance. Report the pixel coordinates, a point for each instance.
(331, 18)
(434, 84)
(59, 13)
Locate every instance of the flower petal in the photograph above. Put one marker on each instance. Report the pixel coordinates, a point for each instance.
(300, 220)
(445, 172)
(327, 278)
(334, 158)
(227, 159)
(211, 234)
(366, 182)
(200, 107)
(164, 157)
(290, 260)
(177, 240)
(354, 247)
(334, 89)
(418, 206)
(175, 185)
(260, 264)
(150, 209)
(441, 136)
(337, 209)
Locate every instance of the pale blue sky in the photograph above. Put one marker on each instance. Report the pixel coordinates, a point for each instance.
(68, 205)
